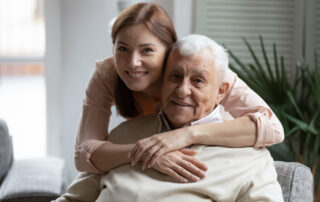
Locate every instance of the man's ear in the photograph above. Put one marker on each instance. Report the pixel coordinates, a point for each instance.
(223, 90)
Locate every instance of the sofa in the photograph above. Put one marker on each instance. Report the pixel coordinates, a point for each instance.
(42, 180)
(29, 180)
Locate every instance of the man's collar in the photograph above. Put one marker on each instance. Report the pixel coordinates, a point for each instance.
(213, 117)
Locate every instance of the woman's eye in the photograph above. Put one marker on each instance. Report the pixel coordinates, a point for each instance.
(175, 77)
(147, 50)
(122, 48)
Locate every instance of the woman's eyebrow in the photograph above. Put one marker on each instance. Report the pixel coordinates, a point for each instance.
(147, 44)
(122, 43)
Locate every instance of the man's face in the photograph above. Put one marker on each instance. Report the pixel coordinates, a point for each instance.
(190, 87)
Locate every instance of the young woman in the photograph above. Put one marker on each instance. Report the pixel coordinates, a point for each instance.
(142, 36)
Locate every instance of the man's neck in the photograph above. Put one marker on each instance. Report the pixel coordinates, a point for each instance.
(213, 117)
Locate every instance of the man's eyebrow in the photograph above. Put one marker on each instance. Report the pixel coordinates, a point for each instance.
(177, 68)
(203, 72)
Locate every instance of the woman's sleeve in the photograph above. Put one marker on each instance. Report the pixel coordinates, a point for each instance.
(243, 101)
(96, 112)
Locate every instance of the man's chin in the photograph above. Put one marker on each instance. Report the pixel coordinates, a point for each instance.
(179, 122)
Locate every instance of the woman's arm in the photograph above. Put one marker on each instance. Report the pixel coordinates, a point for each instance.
(242, 101)
(109, 156)
(180, 165)
(93, 127)
(239, 132)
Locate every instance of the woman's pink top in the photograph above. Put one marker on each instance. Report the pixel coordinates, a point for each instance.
(93, 128)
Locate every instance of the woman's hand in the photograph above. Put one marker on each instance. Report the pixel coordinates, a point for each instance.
(181, 165)
(155, 146)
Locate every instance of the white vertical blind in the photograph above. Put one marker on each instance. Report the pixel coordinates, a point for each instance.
(227, 21)
(317, 27)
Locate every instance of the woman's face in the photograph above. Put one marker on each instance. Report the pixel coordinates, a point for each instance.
(139, 56)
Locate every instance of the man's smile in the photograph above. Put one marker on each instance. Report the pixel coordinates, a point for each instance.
(181, 104)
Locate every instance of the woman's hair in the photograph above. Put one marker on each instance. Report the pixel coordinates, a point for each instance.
(192, 44)
(159, 23)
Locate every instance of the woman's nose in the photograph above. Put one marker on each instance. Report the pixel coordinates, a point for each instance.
(135, 60)
(183, 90)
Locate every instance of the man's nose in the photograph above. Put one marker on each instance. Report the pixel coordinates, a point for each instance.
(183, 90)
(135, 60)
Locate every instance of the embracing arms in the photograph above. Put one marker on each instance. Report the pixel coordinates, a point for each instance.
(254, 125)
(248, 109)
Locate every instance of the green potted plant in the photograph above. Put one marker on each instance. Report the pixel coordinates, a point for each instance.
(296, 104)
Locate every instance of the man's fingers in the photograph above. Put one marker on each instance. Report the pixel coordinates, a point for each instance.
(156, 156)
(194, 170)
(189, 152)
(174, 175)
(196, 162)
(185, 173)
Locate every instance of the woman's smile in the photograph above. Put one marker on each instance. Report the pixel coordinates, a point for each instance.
(136, 74)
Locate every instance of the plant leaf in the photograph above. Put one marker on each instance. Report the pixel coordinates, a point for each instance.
(300, 124)
(276, 65)
(265, 56)
(280, 152)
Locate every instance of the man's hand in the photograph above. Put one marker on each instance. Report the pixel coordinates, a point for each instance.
(181, 165)
(153, 147)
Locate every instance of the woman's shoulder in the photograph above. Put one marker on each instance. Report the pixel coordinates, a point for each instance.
(105, 69)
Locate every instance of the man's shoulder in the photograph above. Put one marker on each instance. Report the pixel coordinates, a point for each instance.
(134, 129)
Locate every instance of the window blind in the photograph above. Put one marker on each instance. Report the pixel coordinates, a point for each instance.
(226, 21)
(317, 27)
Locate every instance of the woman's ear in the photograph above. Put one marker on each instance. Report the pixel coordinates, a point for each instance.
(223, 90)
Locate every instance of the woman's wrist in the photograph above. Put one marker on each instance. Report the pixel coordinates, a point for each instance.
(202, 133)
(192, 133)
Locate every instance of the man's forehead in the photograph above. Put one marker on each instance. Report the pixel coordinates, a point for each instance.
(199, 63)
(201, 69)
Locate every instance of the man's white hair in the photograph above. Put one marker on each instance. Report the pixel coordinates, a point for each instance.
(192, 44)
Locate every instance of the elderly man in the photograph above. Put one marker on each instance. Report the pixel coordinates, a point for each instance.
(192, 90)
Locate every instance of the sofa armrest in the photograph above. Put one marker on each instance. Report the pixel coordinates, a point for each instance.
(34, 180)
(6, 152)
(296, 181)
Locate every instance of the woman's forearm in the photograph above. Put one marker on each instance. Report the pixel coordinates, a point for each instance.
(240, 132)
(109, 156)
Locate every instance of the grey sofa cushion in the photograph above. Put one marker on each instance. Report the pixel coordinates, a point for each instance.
(6, 152)
(296, 181)
(34, 180)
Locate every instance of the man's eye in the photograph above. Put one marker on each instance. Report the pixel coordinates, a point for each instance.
(122, 48)
(198, 82)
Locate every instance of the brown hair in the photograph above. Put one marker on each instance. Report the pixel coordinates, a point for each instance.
(159, 23)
